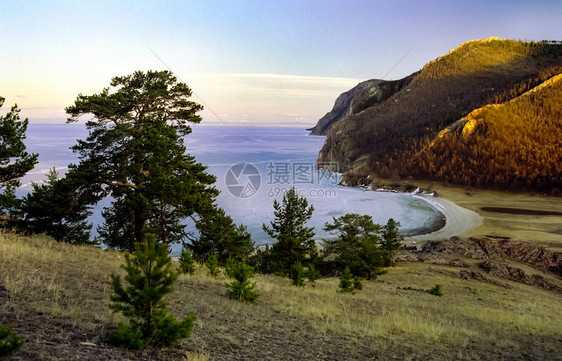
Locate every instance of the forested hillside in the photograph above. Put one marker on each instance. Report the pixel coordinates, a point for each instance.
(516, 145)
(402, 136)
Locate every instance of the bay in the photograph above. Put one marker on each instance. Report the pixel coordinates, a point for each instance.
(254, 166)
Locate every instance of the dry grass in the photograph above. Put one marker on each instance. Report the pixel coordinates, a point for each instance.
(473, 320)
(196, 356)
(57, 279)
(383, 310)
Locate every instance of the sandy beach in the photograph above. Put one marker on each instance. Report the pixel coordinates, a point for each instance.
(479, 213)
(458, 220)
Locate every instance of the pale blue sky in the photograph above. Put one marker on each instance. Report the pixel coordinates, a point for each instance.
(252, 62)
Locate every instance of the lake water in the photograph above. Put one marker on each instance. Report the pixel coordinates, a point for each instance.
(254, 166)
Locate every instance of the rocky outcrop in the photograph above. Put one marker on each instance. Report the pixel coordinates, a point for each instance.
(500, 270)
(488, 249)
(431, 258)
(504, 259)
(342, 107)
(364, 95)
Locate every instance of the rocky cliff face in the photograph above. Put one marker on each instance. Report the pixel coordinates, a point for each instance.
(341, 108)
(364, 95)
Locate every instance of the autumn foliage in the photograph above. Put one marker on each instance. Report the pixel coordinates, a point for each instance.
(515, 144)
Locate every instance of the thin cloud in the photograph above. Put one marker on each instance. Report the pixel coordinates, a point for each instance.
(293, 86)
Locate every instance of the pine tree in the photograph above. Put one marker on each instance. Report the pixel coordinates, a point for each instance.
(313, 275)
(15, 162)
(149, 278)
(297, 274)
(294, 241)
(230, 266)
(186, 261)
(391, 240)
(10, 341)
(219, 234)
(349, 283)
(436, 291)
(212, 264)
(355, 244)
(262, 260)
(135, 153)
(54, 208)
(241, 288)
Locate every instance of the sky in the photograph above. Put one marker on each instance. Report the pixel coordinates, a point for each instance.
(259, 62)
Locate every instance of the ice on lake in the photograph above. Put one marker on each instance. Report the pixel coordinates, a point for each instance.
(283, 158)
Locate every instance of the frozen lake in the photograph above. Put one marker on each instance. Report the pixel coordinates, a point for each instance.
(254, 166)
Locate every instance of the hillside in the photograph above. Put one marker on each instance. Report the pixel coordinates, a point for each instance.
(403, 136)
(516, 144)
(501, 302)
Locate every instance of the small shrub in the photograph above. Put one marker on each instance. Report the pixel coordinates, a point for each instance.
(297, 274)
(349, 283)
(313, 275)
(10, 341)
(213, 265)
(436, 291)
(186, 261)
(149, 277)
(241, 288)
(127, 337)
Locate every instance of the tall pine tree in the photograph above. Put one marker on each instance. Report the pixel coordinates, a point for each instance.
(135, 153)
(294, 241)
(391, 240)
(355, 245)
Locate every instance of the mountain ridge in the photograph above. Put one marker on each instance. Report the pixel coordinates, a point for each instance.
(384, 138)
(362, 96)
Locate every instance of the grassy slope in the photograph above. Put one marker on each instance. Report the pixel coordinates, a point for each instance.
(383, 138)
(56, 296)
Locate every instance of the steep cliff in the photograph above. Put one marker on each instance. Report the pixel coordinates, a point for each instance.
(342, 108)
(402, 134)
(364, 95)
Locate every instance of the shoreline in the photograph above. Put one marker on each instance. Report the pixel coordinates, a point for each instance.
(530, 216)
(457, 220)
